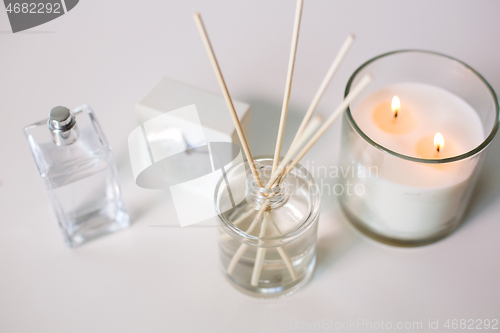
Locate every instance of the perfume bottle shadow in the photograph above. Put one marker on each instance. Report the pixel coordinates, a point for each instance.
(139, 202)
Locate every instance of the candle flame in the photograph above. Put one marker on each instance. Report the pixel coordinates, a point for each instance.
(438, 141)
(395, 105)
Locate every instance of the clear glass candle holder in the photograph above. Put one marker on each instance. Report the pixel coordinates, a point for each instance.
(403, 199)
(268, 241)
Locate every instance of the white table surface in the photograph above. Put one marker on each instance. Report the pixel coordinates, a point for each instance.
(167, 279)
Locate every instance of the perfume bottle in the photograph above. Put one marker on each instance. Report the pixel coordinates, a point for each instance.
(267, 241)
(76, 165)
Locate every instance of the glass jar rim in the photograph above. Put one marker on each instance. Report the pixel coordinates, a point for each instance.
(465, 155)
(292, 234)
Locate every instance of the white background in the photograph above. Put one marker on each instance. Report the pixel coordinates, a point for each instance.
(166, 279)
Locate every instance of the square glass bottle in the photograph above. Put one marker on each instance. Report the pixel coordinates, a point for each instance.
(77, 167)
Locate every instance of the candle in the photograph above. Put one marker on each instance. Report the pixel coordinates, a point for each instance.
(425, 110)
(416, 139)
(390, 118)
(413, 200)
(433, 147)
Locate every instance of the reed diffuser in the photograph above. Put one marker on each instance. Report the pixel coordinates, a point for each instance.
(268, 241)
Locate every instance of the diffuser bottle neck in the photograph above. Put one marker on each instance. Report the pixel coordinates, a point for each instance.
(259, 196)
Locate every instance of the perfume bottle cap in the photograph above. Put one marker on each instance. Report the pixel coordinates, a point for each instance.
(62, 123)
(60, 118)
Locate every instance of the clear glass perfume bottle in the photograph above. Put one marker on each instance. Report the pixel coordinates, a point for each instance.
(76, 164)
(267, 242)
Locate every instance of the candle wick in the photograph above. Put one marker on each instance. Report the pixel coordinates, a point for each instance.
(396, 114)
(437, 148)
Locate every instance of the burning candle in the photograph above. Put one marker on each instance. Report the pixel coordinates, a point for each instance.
(412, 143)
(432, 147)
(389, 117)
(421, 201)
(405, 118)
(438, 142)
(395, 106)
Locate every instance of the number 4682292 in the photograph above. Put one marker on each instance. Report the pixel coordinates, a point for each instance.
(472, 324)
(34, 8)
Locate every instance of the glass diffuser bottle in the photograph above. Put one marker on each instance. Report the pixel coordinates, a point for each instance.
(268, 241)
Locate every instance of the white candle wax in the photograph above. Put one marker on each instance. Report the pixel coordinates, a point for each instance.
(404, 199)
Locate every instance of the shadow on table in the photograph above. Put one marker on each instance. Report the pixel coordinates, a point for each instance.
(335, 239)
(487, 190)
(138, 201)
(265, 121)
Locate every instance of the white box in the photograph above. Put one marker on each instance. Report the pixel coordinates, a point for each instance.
(185, 143)
(168, 95)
